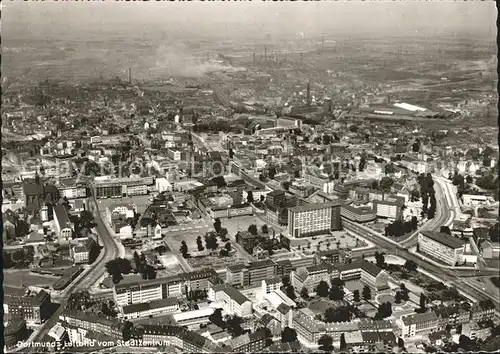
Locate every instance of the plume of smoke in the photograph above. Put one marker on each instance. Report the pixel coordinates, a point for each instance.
(174, 59)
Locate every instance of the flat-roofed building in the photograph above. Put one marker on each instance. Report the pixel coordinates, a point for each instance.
(441, 246)
(162, 288)
(313, 219)
(118, 187)
(475, 200)
(358, 214)
(193, 318)
(156, 307)
(390, 209)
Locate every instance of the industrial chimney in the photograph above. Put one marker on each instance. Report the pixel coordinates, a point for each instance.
(308, 93)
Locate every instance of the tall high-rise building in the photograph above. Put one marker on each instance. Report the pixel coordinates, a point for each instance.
(313, 219)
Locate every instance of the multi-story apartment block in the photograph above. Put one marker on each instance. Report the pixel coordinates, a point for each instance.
(270, 285)
(34, 307)
(335, 330)
(310, 277)
(168, 305)
(118, 187)
(284, 315)
(81, 251)
(71, 188)
(249, 342)
(181, 338)
(368, 273)
(307, 328)
(109, 326)
(451, 315)
(313, 219)
(234, 301)
(360, 214)
(418, 324)
(315, 177)
(251, 274)
(389, 209)
(441, 246)
(482, 311)
(162, 288)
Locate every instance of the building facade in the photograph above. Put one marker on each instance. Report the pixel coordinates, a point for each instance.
(313, 219)
(441, 246)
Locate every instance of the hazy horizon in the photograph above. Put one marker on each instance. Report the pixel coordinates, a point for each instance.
(222, 20)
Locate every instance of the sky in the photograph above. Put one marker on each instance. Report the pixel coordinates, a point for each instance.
(34, 19)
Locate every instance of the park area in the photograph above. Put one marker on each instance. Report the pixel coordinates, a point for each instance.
(215, 260)
(241, 223)
(434, 289)
(19, 278)
(204, 258)
(340, 239)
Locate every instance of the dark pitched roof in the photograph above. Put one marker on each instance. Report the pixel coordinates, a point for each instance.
(283, 308)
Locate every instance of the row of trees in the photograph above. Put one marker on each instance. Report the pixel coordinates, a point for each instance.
(146, 270)
(210, 244)
(428, 194)
(230, 323)
(194, 295)
(400, 227)
(117, 267)
(82, 301)
(19, 258)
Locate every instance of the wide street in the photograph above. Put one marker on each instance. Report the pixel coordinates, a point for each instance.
(447, 274)
(444, 214)
(85, 280)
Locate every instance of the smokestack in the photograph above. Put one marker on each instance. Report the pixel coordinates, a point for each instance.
(129, 75)
(265, 53)
(308, 93)
(254, 57)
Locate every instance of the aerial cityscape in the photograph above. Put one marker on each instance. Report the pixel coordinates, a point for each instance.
(250, 177)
